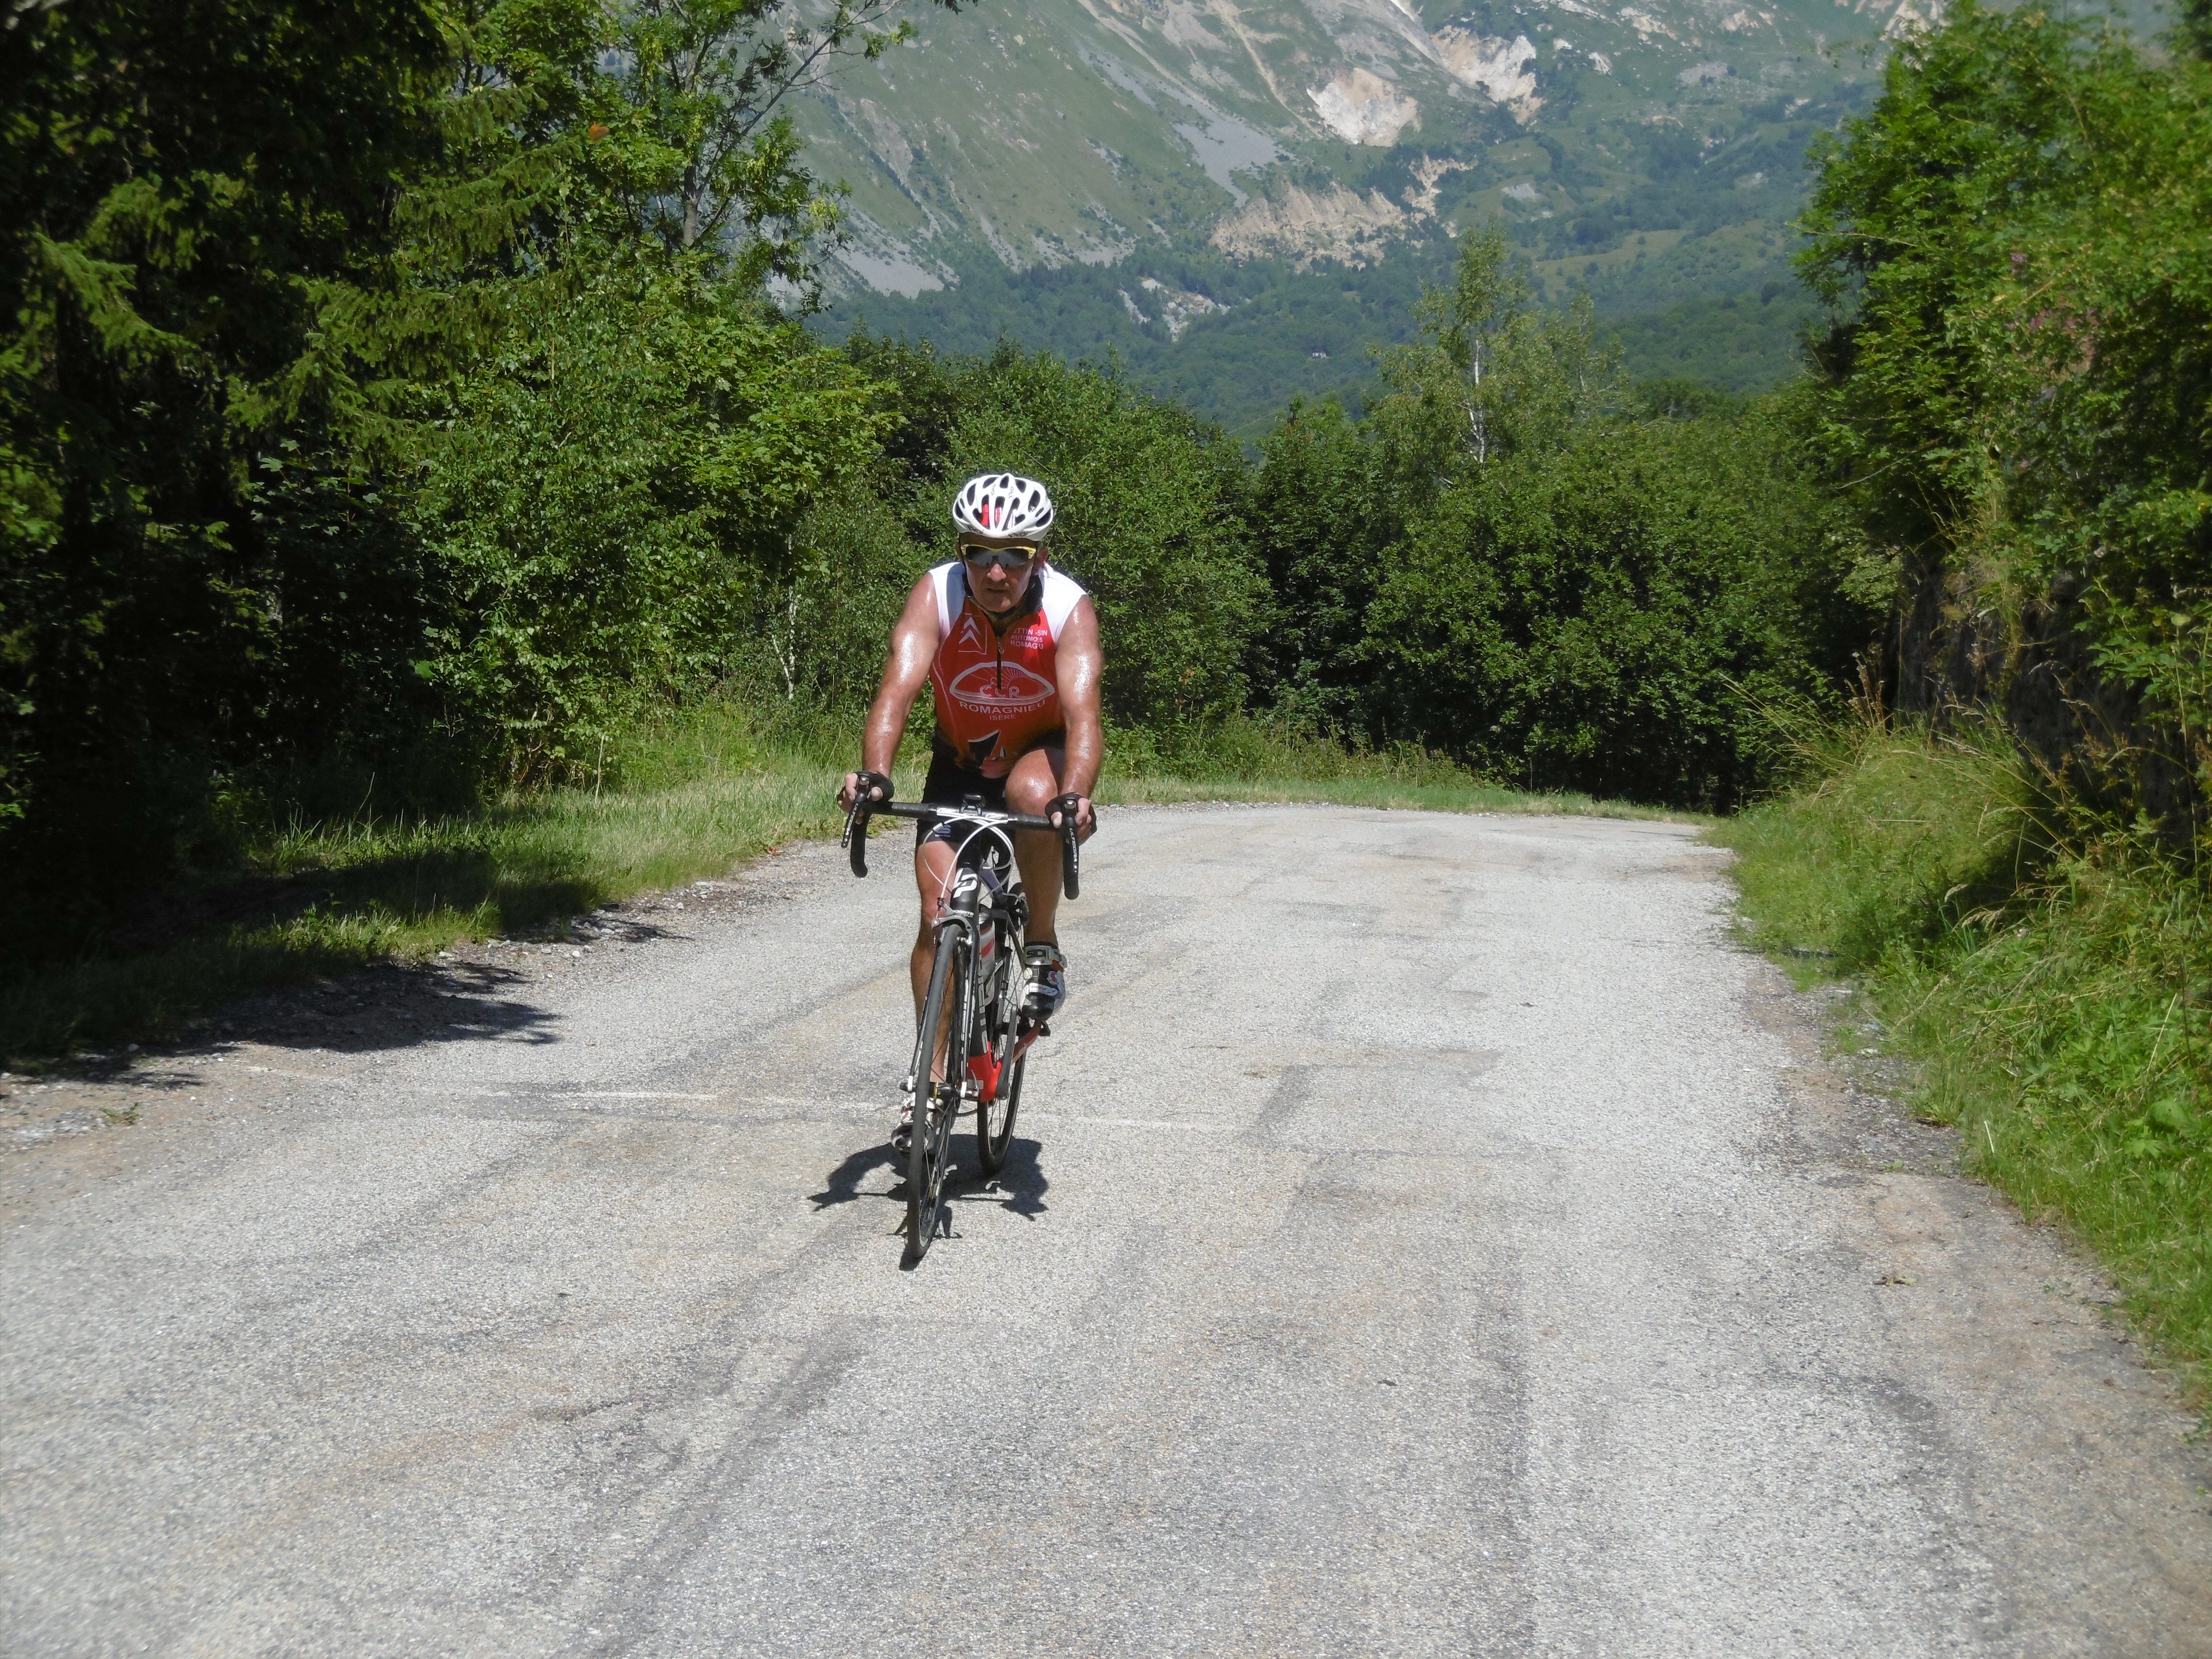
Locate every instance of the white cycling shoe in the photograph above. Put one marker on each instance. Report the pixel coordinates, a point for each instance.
(1045, 981)
(903, 1133)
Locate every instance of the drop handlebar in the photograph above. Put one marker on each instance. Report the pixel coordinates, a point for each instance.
(855, 838)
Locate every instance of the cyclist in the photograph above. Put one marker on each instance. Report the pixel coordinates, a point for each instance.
(1010, 647)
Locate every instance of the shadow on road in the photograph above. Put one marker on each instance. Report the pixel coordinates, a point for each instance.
(843, 1185)
(1019, 1186)
(393, 1006)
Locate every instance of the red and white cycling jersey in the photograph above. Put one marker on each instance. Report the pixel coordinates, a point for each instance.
(998, 685)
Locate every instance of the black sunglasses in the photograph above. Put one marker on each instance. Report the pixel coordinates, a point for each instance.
(1008, 559)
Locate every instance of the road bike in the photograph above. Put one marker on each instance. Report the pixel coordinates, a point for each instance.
(973, 1010)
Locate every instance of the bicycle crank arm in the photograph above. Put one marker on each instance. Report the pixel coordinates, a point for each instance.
(1022, 1044)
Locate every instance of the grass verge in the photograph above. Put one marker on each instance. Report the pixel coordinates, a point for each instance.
(2048, 977)
(698, 794)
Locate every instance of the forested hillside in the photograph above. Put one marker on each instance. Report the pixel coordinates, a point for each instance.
(1274, 332)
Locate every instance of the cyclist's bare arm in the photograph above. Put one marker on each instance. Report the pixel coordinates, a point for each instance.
(1082, 665)
(914, 639)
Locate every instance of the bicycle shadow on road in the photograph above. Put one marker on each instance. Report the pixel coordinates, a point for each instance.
(843, 1184)
(1020, 1186)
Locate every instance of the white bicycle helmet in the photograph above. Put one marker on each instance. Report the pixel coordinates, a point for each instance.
(999, 505)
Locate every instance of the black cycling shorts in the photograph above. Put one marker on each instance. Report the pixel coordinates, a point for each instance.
(948, 785)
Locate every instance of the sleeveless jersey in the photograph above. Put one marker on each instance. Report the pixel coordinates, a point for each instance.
(998, 687)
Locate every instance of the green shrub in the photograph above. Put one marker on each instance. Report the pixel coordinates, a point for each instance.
(1603, 616)
(615, 500)
(2014, 395)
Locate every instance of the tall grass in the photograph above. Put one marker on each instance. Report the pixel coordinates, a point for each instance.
(687, 796)
(2050, 974)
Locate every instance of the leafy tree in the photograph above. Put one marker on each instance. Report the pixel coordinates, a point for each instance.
(1490, 376)
(1591, 617)
(1322, 527)
(694, 146)
(615, 497)
(615, 493)
(276, 275)
(190, 194)
(1502, 564)
(2017, 395)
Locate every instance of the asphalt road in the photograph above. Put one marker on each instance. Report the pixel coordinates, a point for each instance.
(1427, 1235)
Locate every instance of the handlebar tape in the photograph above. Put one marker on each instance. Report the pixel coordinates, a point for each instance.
(855, 838)
(1071, 854)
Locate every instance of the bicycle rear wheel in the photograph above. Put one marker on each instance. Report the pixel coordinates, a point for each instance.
(935, 1105)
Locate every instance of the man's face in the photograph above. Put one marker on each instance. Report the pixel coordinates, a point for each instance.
(997, 588)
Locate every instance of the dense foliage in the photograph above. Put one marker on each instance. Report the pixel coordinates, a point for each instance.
(2018, 400)
(189, 194)
(1517, 560)
(612, 491)
(1607, 615)
(380, 378)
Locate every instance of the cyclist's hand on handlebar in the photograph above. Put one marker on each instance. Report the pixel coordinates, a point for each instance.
(850, 794)
(1086, 819)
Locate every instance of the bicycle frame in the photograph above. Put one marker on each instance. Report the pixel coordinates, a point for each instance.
(978, 898)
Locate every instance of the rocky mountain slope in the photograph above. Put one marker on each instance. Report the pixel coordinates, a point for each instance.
(1652, 149)
(1078, 130)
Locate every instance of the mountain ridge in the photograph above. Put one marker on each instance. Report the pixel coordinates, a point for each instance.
(1177, 181)
(1083, 130)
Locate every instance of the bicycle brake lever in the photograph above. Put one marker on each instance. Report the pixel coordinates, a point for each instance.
(1071, 854)
(855, 837)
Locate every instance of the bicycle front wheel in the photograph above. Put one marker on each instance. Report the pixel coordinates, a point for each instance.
(935, 1103)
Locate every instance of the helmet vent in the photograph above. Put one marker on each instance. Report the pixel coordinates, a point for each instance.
(1003, 504)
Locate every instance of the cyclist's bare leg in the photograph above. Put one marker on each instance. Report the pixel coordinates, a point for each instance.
(1031, 788)
(932, 876)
